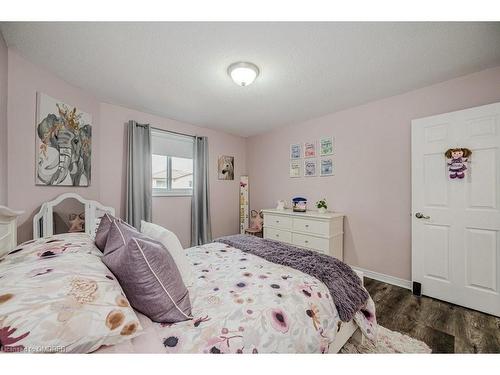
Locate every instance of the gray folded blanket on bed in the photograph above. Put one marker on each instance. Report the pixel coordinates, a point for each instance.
(344, 285)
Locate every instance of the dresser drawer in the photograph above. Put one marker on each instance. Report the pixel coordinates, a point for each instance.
(276, 221)
(311, 226)
(315, 243)
(278, 235)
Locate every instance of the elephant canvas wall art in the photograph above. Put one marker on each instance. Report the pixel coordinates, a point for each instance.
(64, 144)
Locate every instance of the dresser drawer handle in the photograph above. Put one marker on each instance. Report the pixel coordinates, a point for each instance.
(277, 235)
(307, 225)
(277, 221)
(306, 241)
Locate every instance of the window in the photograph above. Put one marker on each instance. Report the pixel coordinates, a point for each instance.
(172, 163)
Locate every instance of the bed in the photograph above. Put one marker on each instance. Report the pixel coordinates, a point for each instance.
(241, 303)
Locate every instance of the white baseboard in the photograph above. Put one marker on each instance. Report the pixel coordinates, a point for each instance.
(385, 278)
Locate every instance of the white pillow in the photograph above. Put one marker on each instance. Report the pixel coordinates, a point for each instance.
(173, 245)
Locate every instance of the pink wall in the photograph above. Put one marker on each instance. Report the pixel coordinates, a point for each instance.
(172, 212)
(372, 181)
(3, 121)
(108, 162)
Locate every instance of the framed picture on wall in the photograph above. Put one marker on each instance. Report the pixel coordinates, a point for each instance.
(309, 149)
(295, 169)
(226, 167)
(326, 167)
(310, 168)
(295, 151)
(326, 146)
(63, 143)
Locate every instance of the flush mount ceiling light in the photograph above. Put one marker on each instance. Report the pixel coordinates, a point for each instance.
(243, 73)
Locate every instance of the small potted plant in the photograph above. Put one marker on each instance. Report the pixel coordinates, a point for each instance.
(322, 206)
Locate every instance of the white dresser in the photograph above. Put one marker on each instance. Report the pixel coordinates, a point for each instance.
(320, 232)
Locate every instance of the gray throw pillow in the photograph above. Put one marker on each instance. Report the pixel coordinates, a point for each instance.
(119, 234)
(101, 235)
(150, 279)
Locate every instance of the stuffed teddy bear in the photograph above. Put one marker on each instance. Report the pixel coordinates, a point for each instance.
(76, 223)
(256, 220)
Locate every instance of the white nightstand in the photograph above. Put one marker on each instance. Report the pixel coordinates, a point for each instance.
(8, 229)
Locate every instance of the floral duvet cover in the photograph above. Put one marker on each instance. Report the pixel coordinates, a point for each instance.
(245, 304)
(56, 295)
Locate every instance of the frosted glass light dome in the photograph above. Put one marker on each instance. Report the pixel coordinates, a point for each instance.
(243, 73)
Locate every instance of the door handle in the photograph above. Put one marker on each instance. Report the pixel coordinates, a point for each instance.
(420, 215)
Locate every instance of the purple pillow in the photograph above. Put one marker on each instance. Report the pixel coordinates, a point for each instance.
(118, 236)
(101, 235)
(151, 280)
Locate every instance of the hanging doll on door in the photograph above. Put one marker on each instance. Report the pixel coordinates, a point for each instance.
(458, 158)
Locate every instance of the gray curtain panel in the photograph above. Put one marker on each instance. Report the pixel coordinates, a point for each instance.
(139, 181)
(201, 231)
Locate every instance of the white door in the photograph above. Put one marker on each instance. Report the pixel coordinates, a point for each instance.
(456, 222)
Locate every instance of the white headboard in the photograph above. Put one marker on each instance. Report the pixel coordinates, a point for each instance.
(43, 224)
(8, 229)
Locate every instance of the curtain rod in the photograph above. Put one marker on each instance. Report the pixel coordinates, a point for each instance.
(168, 131)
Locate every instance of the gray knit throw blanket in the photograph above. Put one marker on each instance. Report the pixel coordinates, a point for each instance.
(344, 285)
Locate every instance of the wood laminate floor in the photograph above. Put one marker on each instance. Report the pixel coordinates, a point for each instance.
(445, 327)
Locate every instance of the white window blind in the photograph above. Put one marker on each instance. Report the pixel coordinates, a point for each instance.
(172, 162)
(171, 144)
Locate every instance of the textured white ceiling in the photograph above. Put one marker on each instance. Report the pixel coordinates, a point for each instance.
(178, 70)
